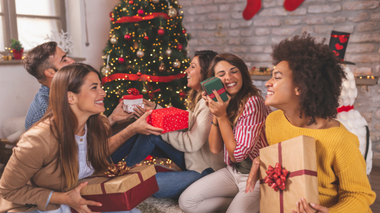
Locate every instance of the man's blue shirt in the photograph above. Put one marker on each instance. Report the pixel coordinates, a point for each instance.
(38, 107)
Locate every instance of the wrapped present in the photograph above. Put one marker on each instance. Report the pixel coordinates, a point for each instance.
(132, 100)
(214, 83)
(169, 119)
(120, 193)
(288, 172)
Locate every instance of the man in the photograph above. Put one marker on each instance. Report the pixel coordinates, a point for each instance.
(43, 62)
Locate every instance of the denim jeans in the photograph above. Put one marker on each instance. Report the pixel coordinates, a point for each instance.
(138, 147)
(172, 184)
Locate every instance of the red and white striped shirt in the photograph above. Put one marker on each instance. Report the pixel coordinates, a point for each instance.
(249, 131)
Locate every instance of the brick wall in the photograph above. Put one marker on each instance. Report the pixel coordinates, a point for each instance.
(218, 25)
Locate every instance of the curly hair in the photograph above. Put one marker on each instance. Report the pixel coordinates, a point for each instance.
(316, 72)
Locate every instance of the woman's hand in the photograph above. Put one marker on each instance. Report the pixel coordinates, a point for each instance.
(73, 199)
(253, 175)
(139, 111)
(303, 207)
(204, 97)
(219, 109)
(118, 114)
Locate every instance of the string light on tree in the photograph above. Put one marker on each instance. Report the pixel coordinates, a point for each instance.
(168, 52)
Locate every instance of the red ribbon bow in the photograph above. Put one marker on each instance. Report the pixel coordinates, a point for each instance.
(118, 169)
(276, 177)
(133, 91)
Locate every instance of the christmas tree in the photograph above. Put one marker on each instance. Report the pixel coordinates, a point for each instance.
(147, 50)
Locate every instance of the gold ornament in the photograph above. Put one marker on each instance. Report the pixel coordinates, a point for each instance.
(168, 52)
(105, 70)
(144, 90)
(172, 12)
(135, 45)
(140, 53)
(113, 40)
(162, 67)
(155, 1)
(169, 105)
(176, 64)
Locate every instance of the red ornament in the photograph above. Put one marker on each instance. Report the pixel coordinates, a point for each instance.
(112, 19)
(184, 31)
(139, 73)
(146, 38)
(182, 94)
(179, 46)
(111, 14)
(161, 32)
(140, 11)
(121, 60)
(130, 2)
(127, 37)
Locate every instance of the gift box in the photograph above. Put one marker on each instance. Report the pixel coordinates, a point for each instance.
(120, 193)
(288, 172)
(214, 83)
(132, 100)
(169, 119)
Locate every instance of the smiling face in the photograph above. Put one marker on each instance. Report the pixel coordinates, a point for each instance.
(230, 76)
(282, 93)
(194, 75)
(89, 101)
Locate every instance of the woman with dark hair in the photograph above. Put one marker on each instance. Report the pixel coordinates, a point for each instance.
(238, 130)
(305, 87)
(187, 149)
(67, 144)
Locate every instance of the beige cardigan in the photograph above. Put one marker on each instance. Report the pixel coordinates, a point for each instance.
(194, 142)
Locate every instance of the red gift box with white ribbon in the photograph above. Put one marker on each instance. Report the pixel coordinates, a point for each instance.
(169, 119)
(288, 172)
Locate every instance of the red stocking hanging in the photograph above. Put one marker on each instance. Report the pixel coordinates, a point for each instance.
(291, 5)
(252, 7)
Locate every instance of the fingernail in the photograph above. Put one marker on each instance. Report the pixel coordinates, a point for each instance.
(213, 90)
(313, 204)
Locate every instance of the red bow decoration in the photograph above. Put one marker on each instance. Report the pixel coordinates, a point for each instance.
(118, 169)
(133, 91)
(276, 177)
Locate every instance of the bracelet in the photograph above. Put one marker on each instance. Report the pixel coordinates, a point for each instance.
(215, 124)
(155, 106)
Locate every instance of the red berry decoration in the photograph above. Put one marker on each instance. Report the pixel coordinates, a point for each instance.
(184, 31)
(130, 2)
(111, 14)
(146, 38)
(112, 19)
(140, 11)
(161, 32)
(127, 37)
(179, 46)
(182, 94)
(139, 73)
(121, 60)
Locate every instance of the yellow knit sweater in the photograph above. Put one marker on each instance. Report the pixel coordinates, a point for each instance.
(342, 181)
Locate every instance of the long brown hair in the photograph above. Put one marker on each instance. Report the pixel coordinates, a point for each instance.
(63, 124)
(237, 103)
(204, 57)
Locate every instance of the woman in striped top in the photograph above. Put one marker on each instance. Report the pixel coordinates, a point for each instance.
(238, 129)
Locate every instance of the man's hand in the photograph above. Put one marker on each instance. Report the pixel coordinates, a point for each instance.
(140, 126)
(149, 105)
(119, 114)
(253, 175)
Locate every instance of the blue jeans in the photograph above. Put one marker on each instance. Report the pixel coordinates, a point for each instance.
(172, 184)
(138, 147)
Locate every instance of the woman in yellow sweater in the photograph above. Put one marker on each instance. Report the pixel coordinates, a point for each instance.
(305, 87)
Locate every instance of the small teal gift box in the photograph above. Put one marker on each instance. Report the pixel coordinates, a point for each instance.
(214, 83)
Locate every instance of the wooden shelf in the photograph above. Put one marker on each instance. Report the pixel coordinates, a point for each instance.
(359, 81)
(15, 62)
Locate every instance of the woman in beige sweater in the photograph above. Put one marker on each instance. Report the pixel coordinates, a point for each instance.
(189, 149)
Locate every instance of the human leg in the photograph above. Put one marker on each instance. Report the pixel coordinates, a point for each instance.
(124, 149)
(147, 144)
(244, 202)
(132, 211)
(211, 193)
(172, 184)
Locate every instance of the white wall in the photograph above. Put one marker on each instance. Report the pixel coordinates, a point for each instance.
(17, 87)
